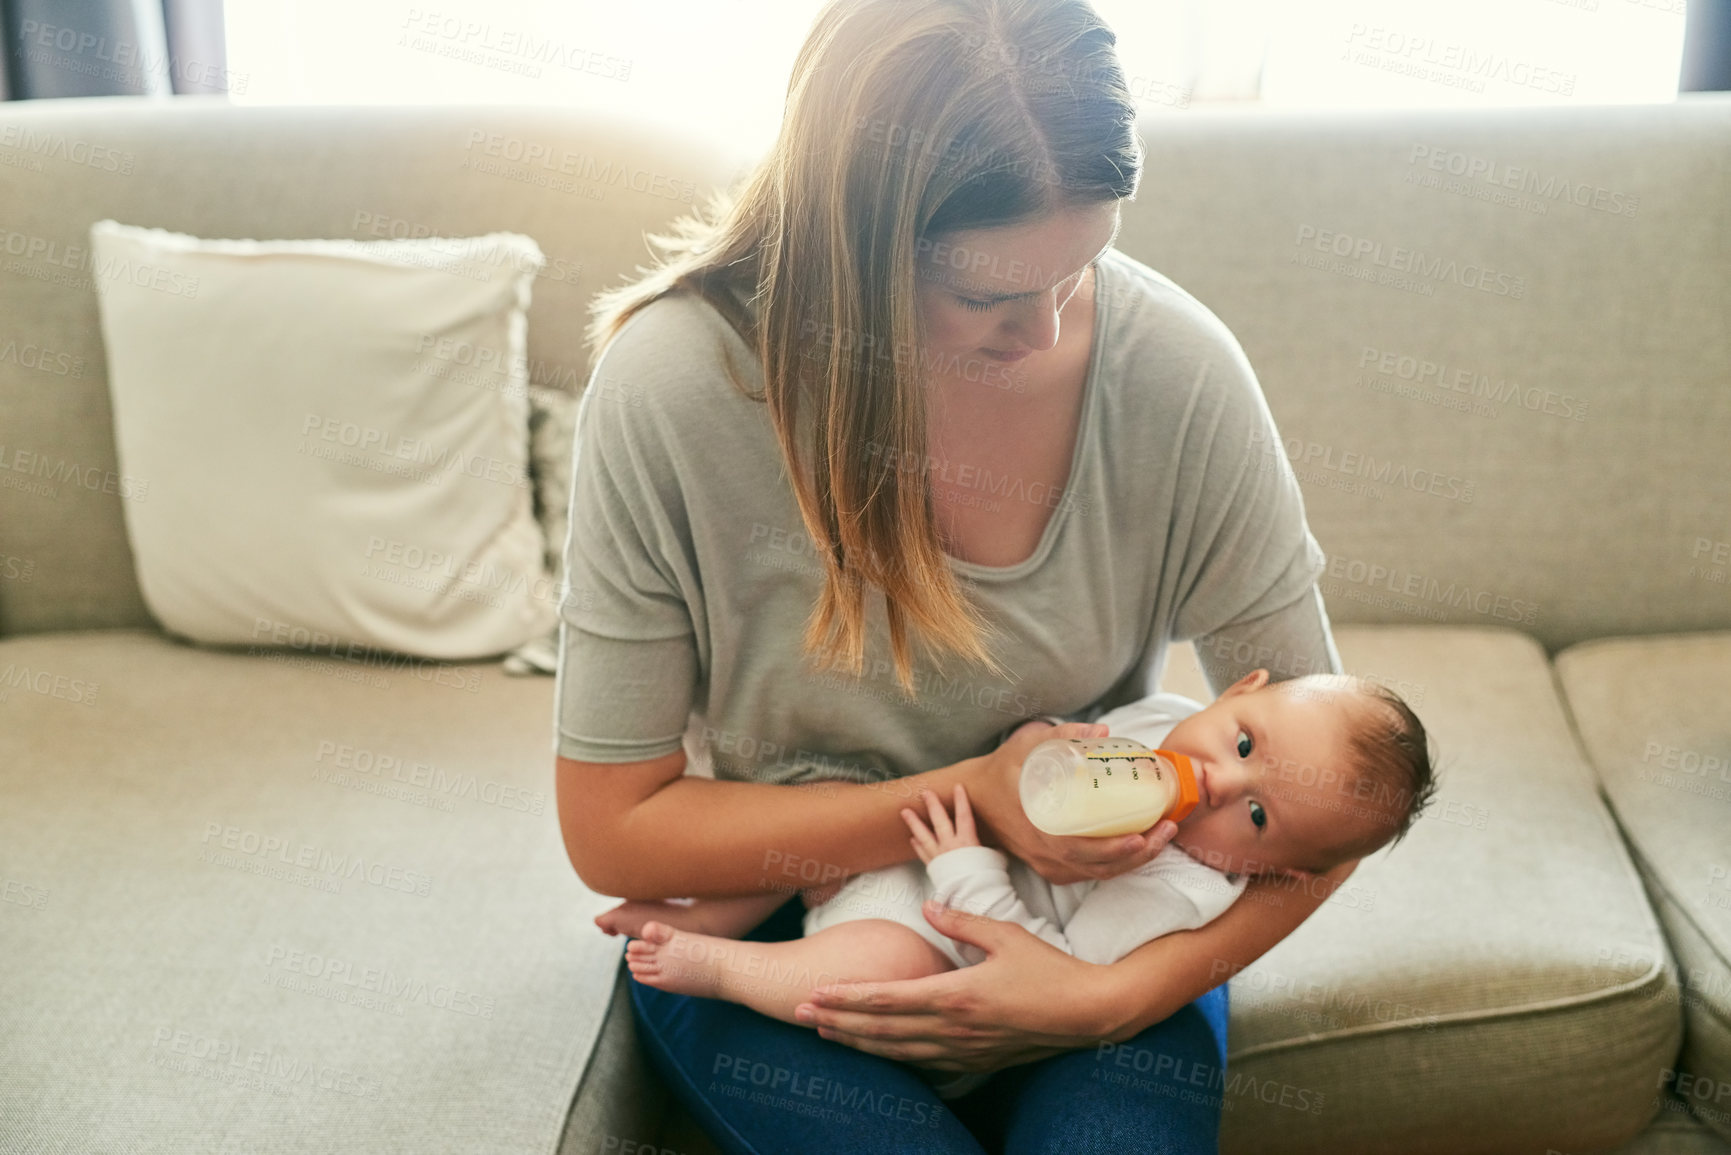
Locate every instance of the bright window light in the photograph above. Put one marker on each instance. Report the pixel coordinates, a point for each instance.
(720, 67)
(1403, 53)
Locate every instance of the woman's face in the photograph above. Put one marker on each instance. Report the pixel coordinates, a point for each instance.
(997, 295)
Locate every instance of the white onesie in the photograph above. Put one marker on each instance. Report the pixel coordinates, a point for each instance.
(1098, 921)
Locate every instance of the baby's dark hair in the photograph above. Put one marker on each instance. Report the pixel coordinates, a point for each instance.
(1388, 754)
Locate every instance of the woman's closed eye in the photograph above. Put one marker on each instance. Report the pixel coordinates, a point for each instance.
(977, 306)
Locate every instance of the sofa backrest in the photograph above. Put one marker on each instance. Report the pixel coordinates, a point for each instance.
(1496, 342)
(585, 189)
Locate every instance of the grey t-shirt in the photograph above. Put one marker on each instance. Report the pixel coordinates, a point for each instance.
(690, 577)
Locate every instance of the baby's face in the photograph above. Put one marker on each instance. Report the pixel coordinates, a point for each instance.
(1271, 770)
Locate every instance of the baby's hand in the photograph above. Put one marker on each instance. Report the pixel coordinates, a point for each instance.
(927, 845)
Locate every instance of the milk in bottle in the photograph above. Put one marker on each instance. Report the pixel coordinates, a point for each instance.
(1104, 786)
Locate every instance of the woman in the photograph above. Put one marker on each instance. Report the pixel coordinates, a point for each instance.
(967, 421)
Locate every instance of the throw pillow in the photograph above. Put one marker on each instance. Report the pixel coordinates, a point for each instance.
(336, 437)
(552, 439)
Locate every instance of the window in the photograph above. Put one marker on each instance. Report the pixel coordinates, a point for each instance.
(720, 67)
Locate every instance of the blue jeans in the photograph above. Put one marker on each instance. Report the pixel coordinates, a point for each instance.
(757, 1085)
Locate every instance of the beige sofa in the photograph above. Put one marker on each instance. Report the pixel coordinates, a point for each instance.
(1497, 345)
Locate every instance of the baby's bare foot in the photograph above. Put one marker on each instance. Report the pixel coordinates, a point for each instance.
(628, 917)
(678, 961)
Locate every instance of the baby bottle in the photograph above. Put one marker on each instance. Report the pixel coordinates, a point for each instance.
(1104, 786)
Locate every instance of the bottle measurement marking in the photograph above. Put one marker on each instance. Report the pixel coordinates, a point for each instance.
(1132, 758)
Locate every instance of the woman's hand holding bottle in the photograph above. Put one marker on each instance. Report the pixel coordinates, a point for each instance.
(994, 788)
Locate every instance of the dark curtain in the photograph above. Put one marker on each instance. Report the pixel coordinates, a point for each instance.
(1707, 47)
(56, 48)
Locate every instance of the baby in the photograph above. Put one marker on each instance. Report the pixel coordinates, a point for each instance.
(1295, 778)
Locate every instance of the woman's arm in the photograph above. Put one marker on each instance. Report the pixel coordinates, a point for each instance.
(647, 830)
(1155, 980)
(1006, 1010)
(1290, 642)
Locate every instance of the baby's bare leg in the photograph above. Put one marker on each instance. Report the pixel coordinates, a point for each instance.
(774, 978)
(727, 917)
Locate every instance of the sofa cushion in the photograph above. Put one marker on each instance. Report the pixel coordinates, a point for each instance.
(1674, 1131)
(1655, 717)
(231, 916)
(623, 1104)
(1456, 993)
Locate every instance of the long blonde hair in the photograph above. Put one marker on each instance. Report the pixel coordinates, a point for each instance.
(905, 120)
